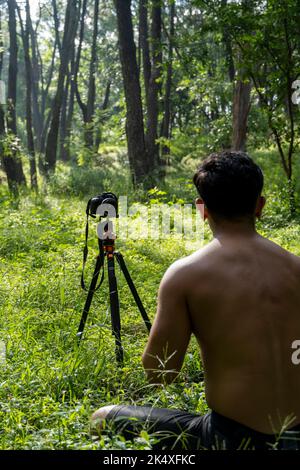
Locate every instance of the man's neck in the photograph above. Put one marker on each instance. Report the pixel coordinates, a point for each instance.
(227, 229)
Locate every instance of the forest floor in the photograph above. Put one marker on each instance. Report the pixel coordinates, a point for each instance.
(48, 386)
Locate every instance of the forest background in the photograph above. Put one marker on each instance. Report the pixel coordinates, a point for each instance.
(123, 96)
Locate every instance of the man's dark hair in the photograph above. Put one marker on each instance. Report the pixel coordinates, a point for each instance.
(229, 184)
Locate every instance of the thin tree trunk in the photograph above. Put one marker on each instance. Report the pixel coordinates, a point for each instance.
(78, 57)
(81, 104)
(28, 73)
(65, 148)
(68, 39)
(165, 132)
(291, 117)
(65, 155)
(89, 131)
(144, 41)
(134, 123)
(56, 26)
(45, 91)
(43, 139)
(63, 120)
(228, 49)
(241, 108)
(153, 92)
(103, 108)
(88, 109)
(14, 168)
(241, 100)
(6, 161)
(37, 117)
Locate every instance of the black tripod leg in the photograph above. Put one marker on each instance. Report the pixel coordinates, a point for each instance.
(131, 285)
(115, 307)
(89, 298)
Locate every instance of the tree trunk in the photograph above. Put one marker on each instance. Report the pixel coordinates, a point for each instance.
(2, 137)
(68, 39)
(241, 100)
(14, 168)
(228, 48)
(36, 115)
(103, 107)
(134, 124)
(241, 108)
(88, 109)
(81, 104)
(165, 129)
(44, 103)
(65, 147)
(63, 120)
(28, 73)
(153, 92)
(144, 40)
(45, 92)
(89, 128)
(44, 137)
(7, 162)
(56, 25)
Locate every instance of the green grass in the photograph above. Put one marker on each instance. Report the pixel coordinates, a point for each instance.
(49, 387)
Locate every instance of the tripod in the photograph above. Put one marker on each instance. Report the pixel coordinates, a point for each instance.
(107, 251)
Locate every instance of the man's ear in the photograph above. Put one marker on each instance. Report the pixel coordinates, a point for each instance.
(259, 206)
(201, 208)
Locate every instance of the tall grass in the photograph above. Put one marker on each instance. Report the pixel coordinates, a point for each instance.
(48, 386)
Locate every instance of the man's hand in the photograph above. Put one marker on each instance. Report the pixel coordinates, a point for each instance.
(171, 331)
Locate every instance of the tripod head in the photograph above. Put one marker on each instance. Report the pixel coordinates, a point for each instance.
(105, 230)
(104, 205)
(108, 238)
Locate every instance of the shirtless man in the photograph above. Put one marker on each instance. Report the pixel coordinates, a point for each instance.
(240, 297)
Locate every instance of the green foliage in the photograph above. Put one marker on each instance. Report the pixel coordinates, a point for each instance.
(49, 386)
(109, 171)
(10, 145)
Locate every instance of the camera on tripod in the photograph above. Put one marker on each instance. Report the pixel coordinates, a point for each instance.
(105, 205)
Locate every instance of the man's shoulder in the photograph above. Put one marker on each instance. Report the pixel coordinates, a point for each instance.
(275, 248)
(183, 269)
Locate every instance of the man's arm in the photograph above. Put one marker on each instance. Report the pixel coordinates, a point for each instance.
(171, 331)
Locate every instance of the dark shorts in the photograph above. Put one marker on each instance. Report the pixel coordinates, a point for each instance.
(174, 429)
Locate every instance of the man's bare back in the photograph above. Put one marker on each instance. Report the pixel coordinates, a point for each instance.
(243, 297)
(240, 297)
